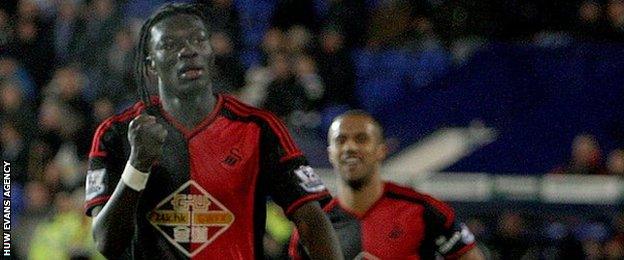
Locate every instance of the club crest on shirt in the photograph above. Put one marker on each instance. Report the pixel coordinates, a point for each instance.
(310, 182)
(190, 218)
(396, 232)
(233, 158)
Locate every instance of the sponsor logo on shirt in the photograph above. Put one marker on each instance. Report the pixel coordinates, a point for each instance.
(190, 218)
(95, 183)
(396, 232)
(310, 182)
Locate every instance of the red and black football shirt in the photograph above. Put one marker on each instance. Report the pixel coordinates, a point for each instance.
(402, 224)
(206, 197)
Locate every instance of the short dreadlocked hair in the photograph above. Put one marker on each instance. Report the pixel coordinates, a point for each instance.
(140, 60)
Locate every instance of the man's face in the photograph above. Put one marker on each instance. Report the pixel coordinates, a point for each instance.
(180, 54)
(356, 149)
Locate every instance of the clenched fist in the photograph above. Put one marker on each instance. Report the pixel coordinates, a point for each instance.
(146, 138)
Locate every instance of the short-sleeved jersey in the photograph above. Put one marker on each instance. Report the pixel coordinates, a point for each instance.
(206, 197)
(402, 224)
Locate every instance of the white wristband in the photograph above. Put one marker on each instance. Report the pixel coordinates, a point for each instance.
(134, 178)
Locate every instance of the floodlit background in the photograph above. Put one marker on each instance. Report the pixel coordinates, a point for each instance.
(511, 110)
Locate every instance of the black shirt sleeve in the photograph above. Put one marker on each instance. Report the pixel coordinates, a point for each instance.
(450, 238)
(107, 159)
(289, 180)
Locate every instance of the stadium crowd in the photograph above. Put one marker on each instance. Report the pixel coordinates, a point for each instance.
(65, 65)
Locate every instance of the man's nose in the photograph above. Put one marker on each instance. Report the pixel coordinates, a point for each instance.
(349, 146)
(188, 50)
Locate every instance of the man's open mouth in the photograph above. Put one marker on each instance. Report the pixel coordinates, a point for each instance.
(191, 72)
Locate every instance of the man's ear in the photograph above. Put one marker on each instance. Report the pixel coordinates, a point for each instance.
(329, 155)
(382, 152)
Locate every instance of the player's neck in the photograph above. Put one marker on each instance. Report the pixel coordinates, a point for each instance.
(362, 199)
(191, 110)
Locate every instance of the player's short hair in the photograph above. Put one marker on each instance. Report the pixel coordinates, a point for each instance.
(140, 61)
(362, 113)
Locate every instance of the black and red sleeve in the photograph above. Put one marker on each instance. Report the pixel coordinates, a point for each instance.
(290, 181)
(449, 237)
(107, 160)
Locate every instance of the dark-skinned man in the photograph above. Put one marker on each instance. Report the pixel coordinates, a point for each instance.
(185, 174)
(375, 219)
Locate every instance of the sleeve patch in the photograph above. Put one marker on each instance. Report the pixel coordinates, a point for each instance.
(463, 236)
(95, 183)
(309, 180)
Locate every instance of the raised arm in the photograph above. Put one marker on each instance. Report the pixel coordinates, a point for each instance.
(316, 232)
(114, 223)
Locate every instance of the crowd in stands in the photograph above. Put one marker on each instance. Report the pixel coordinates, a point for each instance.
(586, 158)
(66, 65)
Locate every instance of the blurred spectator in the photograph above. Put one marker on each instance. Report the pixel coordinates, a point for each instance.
(351, 17)
(390, 22)
(102, 109)
(273, 42)
(10, 70)
(52, 177)
(585, 157)
(140, 9)
(592, 235)
(566, 245)
(100, 22)
(67, 88)
(307, 75)
(336, 70)
(52, 129)
(13, 107)
(119, 74)
(37, 199)
(33, 28)
(395, 23)
(614, 247)
(615, 162)
(29, 10)
(511, 240)
(6, 32)
(225, 19)
(590, 21)
(65, 30)
(615, 17)
(257, 80)
(278, 233)
(14, 149)
(38, 207)
(295, 12)
(230, 74)
(66, 235)
(298, 40)
(32, 48)
(284, 93)
(421, 35)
